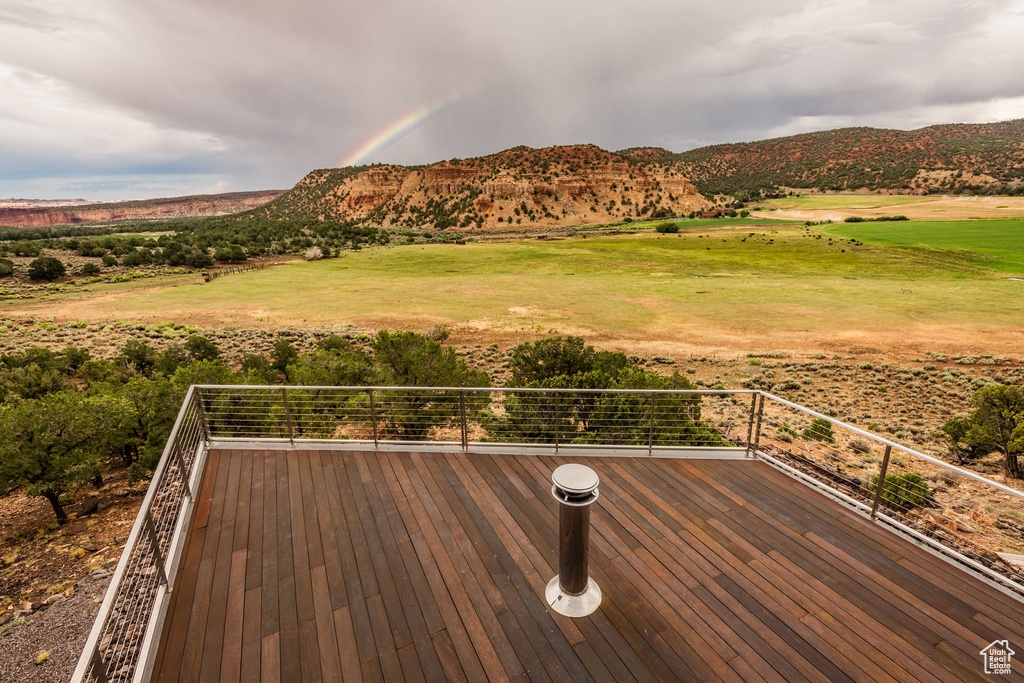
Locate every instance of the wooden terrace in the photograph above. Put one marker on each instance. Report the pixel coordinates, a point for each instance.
(340, 565)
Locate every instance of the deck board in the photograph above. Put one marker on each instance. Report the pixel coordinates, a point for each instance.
(359, 566)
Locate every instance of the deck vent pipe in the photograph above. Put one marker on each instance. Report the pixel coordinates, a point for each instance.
(573, 593)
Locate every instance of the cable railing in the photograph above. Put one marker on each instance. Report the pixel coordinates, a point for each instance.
(127, 622)
(624, 419)
(957, 512)
(972, 520)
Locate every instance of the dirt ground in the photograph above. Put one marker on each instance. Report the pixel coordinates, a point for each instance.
(719, 339)
(41, 558)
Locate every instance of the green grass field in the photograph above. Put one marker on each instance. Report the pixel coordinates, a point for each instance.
(715, 284)
(1000, 239)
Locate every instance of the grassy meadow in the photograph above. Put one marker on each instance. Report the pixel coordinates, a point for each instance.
(715, 283)
(1000, 239)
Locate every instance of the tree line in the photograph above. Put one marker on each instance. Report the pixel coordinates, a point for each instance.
(198, 242)
(66, 417)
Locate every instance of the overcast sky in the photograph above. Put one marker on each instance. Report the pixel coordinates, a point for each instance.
(105, 99)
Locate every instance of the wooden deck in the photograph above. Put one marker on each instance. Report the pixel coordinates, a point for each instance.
(335, 565)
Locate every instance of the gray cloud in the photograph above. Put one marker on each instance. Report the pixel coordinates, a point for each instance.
(255, 94)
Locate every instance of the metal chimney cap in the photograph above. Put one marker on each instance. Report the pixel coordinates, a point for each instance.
(575, 479)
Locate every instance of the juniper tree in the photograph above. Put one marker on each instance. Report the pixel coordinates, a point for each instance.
(48, 446)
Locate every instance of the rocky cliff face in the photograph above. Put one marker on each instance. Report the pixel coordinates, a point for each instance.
(176, 207)
(522, 187)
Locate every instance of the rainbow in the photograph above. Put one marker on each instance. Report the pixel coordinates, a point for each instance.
(392, 133)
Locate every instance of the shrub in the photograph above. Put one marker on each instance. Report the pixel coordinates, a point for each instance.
(46, 268)
(6, 267)
(786, 433)
(90, 269)
(786, 384)
(24, 248)
(907, 490)
(257, 366)
(334, 343)
(109, 260)
(667, 226)
(199, 259)
(201, 348)
(417, 360)
(284, 355)
(853, 219)
(820, 430)
(233, 253)
(859, 446)
(137, 356)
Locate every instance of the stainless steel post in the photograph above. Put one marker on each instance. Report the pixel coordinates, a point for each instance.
(556, 421)
(650, 432)
(881, 480)
(757, 427)
(201, 414)
(462, 420)
(373, 418)
(288, 416)
(573, 593)
(158, 557)
(750, 424)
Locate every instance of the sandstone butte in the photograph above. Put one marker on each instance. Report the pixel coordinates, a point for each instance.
(520, 188)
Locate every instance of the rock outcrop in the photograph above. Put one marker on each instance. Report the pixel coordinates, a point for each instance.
(518, 188)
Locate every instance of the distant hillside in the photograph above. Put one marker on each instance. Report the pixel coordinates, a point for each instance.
(14, 203)
(977, 158)
(570, 185)
(173, 207)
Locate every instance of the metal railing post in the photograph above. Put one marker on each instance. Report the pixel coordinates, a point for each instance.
(201, 414)
(185, 473)
(98, 667)
(462, 419)
(881, 481)
(288, 416)
(757, 427)
(155, 540)
(557, 394)
(750, 423)
(650, 430)
(373, 419)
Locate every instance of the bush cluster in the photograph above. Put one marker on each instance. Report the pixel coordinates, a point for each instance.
(65, 416)
(197, 242)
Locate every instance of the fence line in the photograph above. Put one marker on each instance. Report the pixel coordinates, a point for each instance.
(214, 274)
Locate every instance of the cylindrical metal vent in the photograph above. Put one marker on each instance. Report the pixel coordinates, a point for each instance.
(573, 593)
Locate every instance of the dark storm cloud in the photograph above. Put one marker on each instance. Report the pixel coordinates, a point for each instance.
(253, 95)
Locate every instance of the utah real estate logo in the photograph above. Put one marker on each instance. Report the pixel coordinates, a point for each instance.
(997, 657)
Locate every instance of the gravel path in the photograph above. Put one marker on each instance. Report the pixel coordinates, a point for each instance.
(60, 629)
